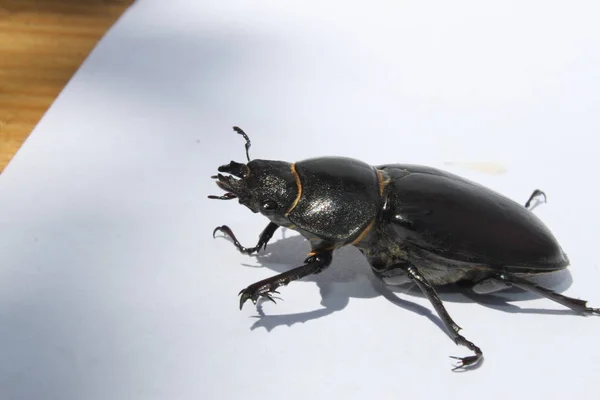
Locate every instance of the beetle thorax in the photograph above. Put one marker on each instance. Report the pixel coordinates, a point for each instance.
(339, 198)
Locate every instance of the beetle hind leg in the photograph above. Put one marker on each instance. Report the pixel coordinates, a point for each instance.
(576, 305)
(536, 195)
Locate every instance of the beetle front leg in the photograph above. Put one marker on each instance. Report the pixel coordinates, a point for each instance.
(264, 238)
(429, 291)
(313, 264)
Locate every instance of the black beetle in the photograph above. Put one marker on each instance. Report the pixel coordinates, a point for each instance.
(413, 224)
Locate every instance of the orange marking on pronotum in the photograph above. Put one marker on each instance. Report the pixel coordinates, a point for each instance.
(299, 185)
(364, 232)
(383, 181)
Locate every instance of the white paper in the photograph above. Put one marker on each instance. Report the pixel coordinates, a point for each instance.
(112, 287)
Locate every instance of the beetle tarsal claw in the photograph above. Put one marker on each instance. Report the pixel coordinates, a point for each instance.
(465, 362)
(244, 298)
(254, 294)
(224, 229)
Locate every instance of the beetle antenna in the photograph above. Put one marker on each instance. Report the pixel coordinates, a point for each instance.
(239, 131)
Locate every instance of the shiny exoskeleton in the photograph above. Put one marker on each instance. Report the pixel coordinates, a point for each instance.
(413, 224)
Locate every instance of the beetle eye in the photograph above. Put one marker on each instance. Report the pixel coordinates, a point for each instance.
(268, 205)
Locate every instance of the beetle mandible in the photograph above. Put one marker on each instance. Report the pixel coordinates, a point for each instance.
(413, 224)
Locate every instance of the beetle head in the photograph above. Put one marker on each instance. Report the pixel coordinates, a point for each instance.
(264, 186)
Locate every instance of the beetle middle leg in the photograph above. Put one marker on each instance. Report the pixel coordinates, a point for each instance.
(430, 292)
(264, 238)
(316, 262)
(576, 305)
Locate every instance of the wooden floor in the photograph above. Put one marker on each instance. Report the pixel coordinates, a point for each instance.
(42, 44)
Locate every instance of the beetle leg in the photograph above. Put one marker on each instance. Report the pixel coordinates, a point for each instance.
(315, 263)
(264, 238)
(429, 291)
(535, 195)
(569, 302)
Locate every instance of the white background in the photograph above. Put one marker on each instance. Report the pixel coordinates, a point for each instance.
(112, 287)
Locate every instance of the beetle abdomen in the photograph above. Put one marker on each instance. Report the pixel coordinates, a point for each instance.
(461, 220)
(340, 198)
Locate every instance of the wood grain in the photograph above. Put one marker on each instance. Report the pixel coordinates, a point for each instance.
(42, 44)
